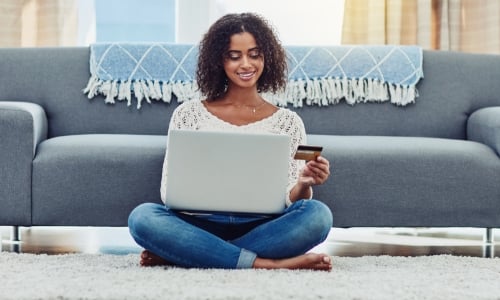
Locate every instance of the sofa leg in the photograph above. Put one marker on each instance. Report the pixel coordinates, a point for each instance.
(489, 245)
(15, 235)
(488, 236)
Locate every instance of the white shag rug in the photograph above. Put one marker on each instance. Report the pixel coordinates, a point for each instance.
(105, 276)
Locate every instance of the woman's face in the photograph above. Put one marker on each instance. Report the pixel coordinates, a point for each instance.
(243, 62)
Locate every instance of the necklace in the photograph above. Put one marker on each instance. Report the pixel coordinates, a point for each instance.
(252, 108)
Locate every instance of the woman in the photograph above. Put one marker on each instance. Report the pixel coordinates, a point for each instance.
(239, 58)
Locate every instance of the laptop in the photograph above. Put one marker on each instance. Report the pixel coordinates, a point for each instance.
(211, 171)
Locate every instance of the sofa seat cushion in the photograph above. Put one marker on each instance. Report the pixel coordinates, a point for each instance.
(410, 181)
(95, 179)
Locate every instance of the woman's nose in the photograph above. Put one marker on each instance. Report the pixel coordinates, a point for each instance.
(245, 61)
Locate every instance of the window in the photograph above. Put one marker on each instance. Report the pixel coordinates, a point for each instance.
(135, 20)
(298, 22)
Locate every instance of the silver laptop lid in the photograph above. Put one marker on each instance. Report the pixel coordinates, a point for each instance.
(227, 171)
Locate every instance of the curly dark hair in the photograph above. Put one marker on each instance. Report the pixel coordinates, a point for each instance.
(210, 75)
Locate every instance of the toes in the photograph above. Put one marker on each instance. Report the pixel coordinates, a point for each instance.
(146, 258)
(327, 260)
(150, 259)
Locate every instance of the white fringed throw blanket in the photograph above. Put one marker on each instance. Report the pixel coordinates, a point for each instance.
(317, 75)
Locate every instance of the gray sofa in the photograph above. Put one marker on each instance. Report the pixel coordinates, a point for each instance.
(66, 160)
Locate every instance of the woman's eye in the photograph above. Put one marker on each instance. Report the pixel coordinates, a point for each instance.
(233, 56)
(237, 56)
(254, 55)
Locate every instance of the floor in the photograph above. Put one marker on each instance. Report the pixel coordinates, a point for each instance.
(341, 242)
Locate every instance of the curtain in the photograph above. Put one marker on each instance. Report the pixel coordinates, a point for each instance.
(38, 23)
(459, 25)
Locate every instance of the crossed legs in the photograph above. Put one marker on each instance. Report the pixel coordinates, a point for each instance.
(281, 242)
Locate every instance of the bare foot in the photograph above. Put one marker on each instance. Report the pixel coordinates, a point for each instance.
(309, 261)
(149, 259)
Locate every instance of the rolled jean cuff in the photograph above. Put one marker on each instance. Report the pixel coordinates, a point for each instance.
(246, 259)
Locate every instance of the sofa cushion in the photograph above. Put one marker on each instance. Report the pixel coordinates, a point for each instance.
(440, 182)
(95, 179)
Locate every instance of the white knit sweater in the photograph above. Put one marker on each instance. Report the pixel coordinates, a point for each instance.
(193, 115)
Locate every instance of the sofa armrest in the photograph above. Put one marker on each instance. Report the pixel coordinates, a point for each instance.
(484, 126)
(22, 127)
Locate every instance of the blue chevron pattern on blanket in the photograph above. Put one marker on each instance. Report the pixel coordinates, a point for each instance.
(317, 75)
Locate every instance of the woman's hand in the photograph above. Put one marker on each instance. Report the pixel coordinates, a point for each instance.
(315, 172)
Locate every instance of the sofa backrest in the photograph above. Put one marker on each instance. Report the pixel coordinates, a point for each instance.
(55, 79)
(454, 86)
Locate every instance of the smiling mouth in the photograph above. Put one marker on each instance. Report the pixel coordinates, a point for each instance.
(246, 75)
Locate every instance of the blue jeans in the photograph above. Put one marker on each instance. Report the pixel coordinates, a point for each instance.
(226, 240)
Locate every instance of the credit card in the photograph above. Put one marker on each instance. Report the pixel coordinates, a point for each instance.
(305, 152)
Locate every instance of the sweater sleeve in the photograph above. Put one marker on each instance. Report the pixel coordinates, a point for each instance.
(164, 175)
(297, 132)
(177, 121)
